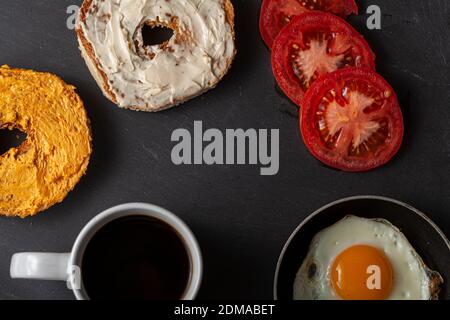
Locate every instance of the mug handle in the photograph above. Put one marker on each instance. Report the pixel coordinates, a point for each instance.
(40, 266)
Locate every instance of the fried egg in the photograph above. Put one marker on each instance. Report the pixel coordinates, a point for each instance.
(364, 259)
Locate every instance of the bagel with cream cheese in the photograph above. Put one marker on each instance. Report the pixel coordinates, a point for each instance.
(50, 162)
(156, 77)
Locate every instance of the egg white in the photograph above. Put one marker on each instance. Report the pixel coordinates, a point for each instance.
(411, 277)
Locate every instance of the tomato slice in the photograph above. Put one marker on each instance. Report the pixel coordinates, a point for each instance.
(351, 120)
(275, 14)
(313, 44)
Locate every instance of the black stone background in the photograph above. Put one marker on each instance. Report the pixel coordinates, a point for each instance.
(241, 219)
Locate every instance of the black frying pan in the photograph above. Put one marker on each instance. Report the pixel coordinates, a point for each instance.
(429, 242)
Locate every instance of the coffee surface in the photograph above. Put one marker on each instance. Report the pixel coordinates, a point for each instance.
(136, 257)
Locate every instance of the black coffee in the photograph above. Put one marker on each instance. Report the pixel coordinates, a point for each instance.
(137, 258)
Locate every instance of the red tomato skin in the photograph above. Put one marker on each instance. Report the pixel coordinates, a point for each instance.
(309, 130)
(281, 68)
(269, 31)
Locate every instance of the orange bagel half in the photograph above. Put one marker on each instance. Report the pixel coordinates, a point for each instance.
(54, 156)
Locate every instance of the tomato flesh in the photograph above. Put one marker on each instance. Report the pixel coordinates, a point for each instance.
(313, 45)
(275, 14)
(318, 54)
(351, 120)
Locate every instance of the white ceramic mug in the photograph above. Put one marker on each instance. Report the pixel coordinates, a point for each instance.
(65, 266)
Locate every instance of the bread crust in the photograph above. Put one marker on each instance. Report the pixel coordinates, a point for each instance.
(94, 65)
(87, 52)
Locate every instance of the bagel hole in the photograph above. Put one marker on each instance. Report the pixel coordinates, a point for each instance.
(11, 138)
(154, 35)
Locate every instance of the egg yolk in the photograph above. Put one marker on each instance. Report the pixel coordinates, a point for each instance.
(362, 273)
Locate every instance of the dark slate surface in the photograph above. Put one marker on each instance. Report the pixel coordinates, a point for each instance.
(241, 219)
